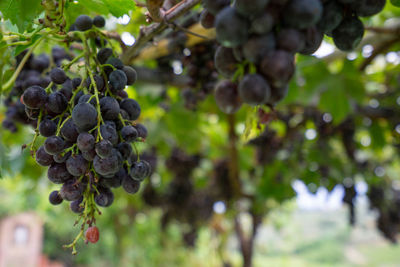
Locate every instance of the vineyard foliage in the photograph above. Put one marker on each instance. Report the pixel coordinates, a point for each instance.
(338, 124)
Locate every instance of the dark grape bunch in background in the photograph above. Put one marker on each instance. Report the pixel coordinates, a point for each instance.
(260, 38)
(200, 68)
(88, 122)
(34, 72)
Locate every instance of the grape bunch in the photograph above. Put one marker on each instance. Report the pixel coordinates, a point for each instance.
(34, 72)
(260, 38)
(200, 68)
(89, 125)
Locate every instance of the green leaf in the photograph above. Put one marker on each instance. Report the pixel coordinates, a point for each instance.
(20, 12)
(334, 99)
(20, 48)
(120, 7)
(395, 2)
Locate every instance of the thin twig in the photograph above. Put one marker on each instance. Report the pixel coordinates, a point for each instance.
(148, 33)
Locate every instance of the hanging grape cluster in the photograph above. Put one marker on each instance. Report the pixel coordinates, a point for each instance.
(88, 122)
(259, 40)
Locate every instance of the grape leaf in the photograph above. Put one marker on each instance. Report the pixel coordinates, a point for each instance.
(119, 7)
(395, 2)
(20, 13)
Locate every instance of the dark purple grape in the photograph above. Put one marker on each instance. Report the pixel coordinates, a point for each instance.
(58, 76)
(43, 158)
(103, 148)
(348, 35)
(77, 165)
(129, 133)
(84, 116)
(142, 130)
(83, 23)
(131, 107)
(105, 197)
(131, 75)
(76, 206)
(232, 29)
(99, 21)
(225, 61)
(57, 102)
(58, 173)
(129, 185)
(140, 170)
(278, 67)
(54, 145)
(85, 142)
(106, 166)
(104, 54)
(118, 80)
(254, 90)
(257, 47)
(55, 198)
(47, 128)
(227, 97)
(71, 190)
(302, 14)
(34, 97)
(69, 131)
(109, 108)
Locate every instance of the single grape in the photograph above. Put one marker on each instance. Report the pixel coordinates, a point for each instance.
(291, 40)
(77, 165)
(129, 133)
(92, 234)
(348, 35)
(76, 206)
(225, 61)
(69, 131)
(278, 67)
(109, 133)
(83, 23)
(257, 47)
(140, 170)
(106, 166)
(71, 190)
(57, 102)
(54, 145)
(104, 54)
(109, 108)
(302, 14)
(47, 128)
(118, 80)
(142, 130)
(34, 97)
(99, 21)
(103, 148)
(85, 141)
(131, 75)
(58, 76)
(105, 197)
(227, 97)
(43, 158)
(254, 90)
(129, 185)
(58, 173)
(132, 107)
(84, 116)
(55, 198)
(232, 29)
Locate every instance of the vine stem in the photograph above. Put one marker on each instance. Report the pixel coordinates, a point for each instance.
(11, 81)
